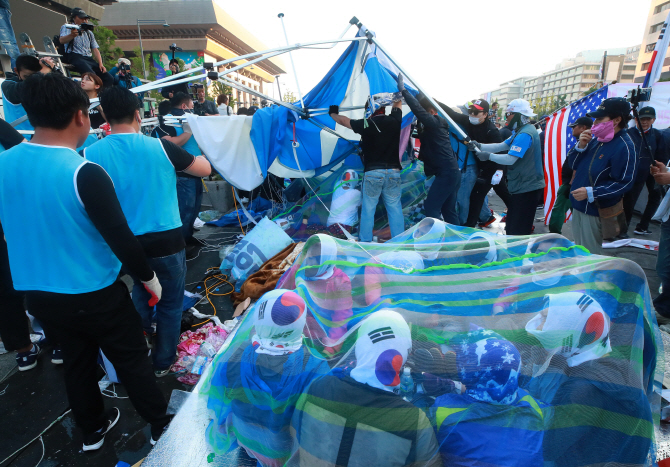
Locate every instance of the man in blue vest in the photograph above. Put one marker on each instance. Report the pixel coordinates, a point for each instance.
(145, 182)
(68, 264)
(189, 187)
(26, 65)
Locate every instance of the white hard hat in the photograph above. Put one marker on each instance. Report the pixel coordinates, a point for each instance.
(520, 106)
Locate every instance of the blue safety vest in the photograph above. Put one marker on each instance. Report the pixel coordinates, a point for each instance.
(191, 146)
(61, 251)
(14, 112)
(144, 179)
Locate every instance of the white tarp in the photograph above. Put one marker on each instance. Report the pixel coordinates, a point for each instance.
(227, 144)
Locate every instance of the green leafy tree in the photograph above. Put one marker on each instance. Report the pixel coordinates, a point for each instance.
(593, 88)
(289, 96)
(106, 40)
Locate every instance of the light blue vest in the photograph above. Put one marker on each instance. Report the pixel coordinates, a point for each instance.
(526, 174)
(14, 112)
(191, 145)
(62, 251)
(144, 179)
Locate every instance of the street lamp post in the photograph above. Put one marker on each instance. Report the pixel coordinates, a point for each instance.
(139, 34)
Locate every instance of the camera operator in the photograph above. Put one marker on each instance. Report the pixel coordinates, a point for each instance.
(202, 106)
(80, 47)
(124, 78)
(12, 104)
(169, 92)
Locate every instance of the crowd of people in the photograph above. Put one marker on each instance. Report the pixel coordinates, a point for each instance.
(110, 211)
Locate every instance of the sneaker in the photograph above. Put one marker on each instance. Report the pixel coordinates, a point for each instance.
(504, 219)
(161, 373)
(488, 222)
(94, 440)
(640, 231)
(57, 356)
(157, 432)
(28, 360)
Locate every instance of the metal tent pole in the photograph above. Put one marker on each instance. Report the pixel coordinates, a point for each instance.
(297, 85)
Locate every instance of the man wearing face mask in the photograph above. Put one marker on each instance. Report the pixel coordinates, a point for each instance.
(479, 128)
(524, 158)
(604, 162)
(642, 175)
(148, 198)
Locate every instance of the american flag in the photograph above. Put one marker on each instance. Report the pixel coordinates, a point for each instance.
(559, 140)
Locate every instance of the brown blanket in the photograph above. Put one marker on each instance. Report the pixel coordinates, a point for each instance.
(265, 279)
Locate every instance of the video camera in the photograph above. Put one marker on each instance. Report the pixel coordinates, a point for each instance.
(81, 27)
(173, 48)
(635, 96)
(124, 67)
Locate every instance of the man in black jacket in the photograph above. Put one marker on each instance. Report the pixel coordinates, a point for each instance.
(438, 158)
(474, 173)
(169, 92)
(643, 177)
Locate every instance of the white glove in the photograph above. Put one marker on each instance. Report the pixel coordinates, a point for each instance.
(496, 177)
(155, 290)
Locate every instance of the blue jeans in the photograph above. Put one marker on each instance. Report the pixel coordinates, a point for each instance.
(171, 273)
(441, 199)
(384, 182)
(468, 180)
(7, 36)
(662, 302)
(189, 196)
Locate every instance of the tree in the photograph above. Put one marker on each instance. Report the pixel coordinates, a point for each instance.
(106, 40)
(289, 96)
(593, 88)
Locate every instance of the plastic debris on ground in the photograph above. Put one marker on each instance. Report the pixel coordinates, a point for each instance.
(209, 215)
(195, 351)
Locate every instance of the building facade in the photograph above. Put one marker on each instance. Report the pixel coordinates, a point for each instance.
(507, 92)
(203, 31)
(572, 77)
(658, 12)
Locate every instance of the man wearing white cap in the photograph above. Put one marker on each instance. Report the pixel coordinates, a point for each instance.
(525, 178)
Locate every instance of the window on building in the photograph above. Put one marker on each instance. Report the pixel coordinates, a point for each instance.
(629, 67)
(627, 77)
(656, 27)
(645, 66)
(661, 7)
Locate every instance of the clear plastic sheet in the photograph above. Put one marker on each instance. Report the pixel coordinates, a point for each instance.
(444, 346)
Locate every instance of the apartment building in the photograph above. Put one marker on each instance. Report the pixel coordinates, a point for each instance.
(658, 12)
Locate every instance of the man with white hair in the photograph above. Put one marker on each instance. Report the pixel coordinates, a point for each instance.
(522, 153)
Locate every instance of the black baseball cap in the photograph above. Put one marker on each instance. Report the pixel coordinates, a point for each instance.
(479, 104)
(612, 106)
(647, 112)
(586, 121)
(79, 13)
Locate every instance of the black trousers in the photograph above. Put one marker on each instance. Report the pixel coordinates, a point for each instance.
(14, 324)
(480, 191)
(105, 320)
(83, 64)
(442, 195)
(653, 200)
(521, 212)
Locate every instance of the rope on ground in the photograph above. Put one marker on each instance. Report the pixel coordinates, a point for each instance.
(221, 279)
(237, 211)
(39, 436)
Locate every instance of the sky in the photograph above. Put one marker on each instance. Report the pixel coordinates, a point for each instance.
(455, 49)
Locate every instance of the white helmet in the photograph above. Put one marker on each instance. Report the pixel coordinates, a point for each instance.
(520, 106)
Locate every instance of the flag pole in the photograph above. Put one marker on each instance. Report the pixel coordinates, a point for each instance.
(371, 39)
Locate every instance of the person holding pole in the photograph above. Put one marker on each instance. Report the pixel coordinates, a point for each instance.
(437, 156)
(525, 178)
